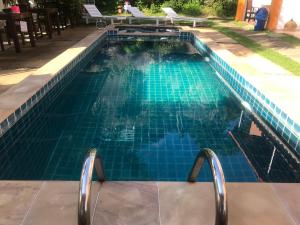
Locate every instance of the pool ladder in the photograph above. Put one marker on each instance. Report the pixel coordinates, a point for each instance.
(93, 159)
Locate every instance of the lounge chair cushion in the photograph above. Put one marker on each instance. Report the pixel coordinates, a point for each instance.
(170, 12)
(136, 12)
(92, 10)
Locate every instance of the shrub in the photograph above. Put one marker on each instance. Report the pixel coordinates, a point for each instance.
(220, 7)
(192, 8)
(106, 6)
(229, 7)
(154, 8)
(177, 5)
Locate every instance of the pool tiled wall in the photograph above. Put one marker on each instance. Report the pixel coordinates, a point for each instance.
(260, 104)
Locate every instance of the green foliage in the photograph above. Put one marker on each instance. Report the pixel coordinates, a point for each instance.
(175, 4)
(107, 6)
(229, 7)
(192, 8)
(220, 7)
(74, 6)
(146, 3)
(155, 8)
(187, 7)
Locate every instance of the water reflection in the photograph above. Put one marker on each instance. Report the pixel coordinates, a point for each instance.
(147, 106)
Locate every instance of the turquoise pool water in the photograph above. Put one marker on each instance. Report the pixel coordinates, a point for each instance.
(148, 107)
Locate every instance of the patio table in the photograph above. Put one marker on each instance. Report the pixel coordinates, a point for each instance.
(51, 17)
(11, 19)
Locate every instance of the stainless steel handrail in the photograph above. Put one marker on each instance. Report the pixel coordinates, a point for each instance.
(92, 159)
(219, 183)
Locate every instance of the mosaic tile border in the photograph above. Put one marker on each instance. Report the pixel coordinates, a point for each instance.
(60, 79)
(288, 129)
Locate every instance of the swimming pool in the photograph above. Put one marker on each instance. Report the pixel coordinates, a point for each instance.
(148, 107)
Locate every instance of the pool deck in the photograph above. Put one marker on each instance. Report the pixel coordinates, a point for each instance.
(271, 40)
(15, 67)
(147, 203)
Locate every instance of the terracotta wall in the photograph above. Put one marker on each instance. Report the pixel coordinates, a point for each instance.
(240, 11)
(274, 14)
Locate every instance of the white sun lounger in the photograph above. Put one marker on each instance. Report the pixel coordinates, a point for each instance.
(175, 17)
(137, 14)
(93, 12)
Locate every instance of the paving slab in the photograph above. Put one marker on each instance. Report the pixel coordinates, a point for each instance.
(273, 41)
(289, 194)
(56, 204)
(16, 199)
(127, 203)
(255, 203)
(186, 203)
(15, 67)
(147, 203)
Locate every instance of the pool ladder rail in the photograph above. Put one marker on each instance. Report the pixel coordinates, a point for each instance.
(93, 159)
(219, 182)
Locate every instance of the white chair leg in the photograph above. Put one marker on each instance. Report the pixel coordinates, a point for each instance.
(129, 20)
(194, 23)
(157, 22)
(111, 21)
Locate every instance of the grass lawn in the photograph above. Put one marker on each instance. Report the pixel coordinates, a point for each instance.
(274, 56)
(290, 39)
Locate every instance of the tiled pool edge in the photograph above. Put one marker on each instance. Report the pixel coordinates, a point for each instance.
(288, 129)
(67, 63)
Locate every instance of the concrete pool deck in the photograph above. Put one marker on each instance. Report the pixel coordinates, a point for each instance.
(147, 203)
(15, 67)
